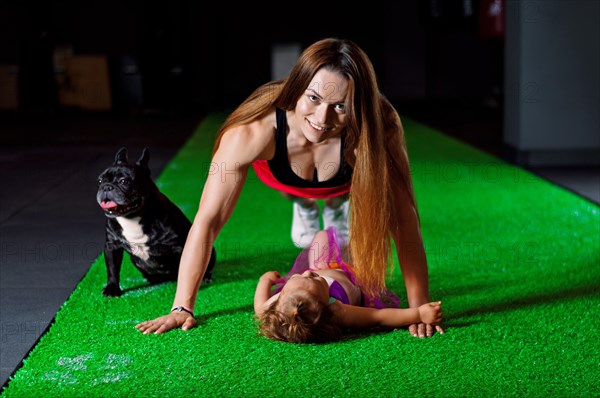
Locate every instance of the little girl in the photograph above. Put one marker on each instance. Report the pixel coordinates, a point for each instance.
(320, 296)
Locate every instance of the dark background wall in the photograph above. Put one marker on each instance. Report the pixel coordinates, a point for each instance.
(433, 58)
(193, 55)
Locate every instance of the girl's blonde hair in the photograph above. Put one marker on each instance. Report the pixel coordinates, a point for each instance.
(374, 130)
(299, 318)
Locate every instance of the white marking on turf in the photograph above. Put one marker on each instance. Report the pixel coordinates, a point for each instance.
(114, 363)
(111, 378)
(125, 322)
(142, 291)
(132, 231)
(116, 360)
(75, 363)
(68, 365)
(113, 367)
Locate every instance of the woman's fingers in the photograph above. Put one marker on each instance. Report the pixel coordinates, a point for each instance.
(188, 324)
(429, 330)
(142, 327)
(166, 323)
(423, 330)
(417, 330)
(413, 329)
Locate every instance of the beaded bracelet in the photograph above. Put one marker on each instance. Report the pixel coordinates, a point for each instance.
(182, 308)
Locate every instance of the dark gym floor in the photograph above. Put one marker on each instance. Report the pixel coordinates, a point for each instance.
(51, 228)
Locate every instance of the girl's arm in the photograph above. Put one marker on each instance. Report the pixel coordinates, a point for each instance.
(219, 197)
(355, 317)
(262, 294)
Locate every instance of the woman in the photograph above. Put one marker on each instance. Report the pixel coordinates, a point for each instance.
(324, 132)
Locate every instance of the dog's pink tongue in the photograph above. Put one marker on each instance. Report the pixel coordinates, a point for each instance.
(108, 205)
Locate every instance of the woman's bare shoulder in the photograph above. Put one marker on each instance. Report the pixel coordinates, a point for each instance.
(254, 140)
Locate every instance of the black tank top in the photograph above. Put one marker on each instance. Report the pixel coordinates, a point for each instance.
(282, 170)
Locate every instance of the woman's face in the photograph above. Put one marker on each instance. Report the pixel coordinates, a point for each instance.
(321, 111)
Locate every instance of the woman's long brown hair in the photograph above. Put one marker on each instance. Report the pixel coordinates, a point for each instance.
(375, 148)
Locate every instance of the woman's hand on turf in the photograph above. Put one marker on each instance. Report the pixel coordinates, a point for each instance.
(167, 322)
(423, 330)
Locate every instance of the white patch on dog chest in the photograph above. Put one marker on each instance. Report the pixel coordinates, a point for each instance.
(132, 231)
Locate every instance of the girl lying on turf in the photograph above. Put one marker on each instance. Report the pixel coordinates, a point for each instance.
(320, 296)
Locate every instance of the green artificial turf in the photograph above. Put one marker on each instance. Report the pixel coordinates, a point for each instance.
(515, 260)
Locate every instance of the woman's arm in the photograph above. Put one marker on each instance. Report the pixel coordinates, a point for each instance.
(411, 252)
(413, 262)
(355, 317)
(407, 232)
(220, 194)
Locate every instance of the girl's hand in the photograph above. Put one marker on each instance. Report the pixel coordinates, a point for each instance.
(272, 277)
(431, 316)
(167, 322)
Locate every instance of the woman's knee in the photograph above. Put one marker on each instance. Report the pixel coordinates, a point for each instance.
(336, 201)
(304, 202)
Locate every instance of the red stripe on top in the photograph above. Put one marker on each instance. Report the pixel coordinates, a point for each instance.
(263, 171)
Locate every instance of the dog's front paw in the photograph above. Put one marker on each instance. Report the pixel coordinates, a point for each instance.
(112, 290)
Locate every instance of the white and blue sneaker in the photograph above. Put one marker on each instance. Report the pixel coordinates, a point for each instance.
(338, 218)
(305, 225)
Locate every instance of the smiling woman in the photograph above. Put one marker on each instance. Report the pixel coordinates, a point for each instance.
(324, 132)
(308, 159)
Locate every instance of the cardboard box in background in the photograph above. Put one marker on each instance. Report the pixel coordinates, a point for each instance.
(9, 87)
(85, 83)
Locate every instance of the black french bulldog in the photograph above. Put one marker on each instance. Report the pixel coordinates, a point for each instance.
(142, 221)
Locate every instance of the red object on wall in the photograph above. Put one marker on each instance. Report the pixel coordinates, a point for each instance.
(491, 19)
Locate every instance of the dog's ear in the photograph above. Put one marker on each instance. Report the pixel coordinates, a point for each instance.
(121, 156)
(144, 159)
